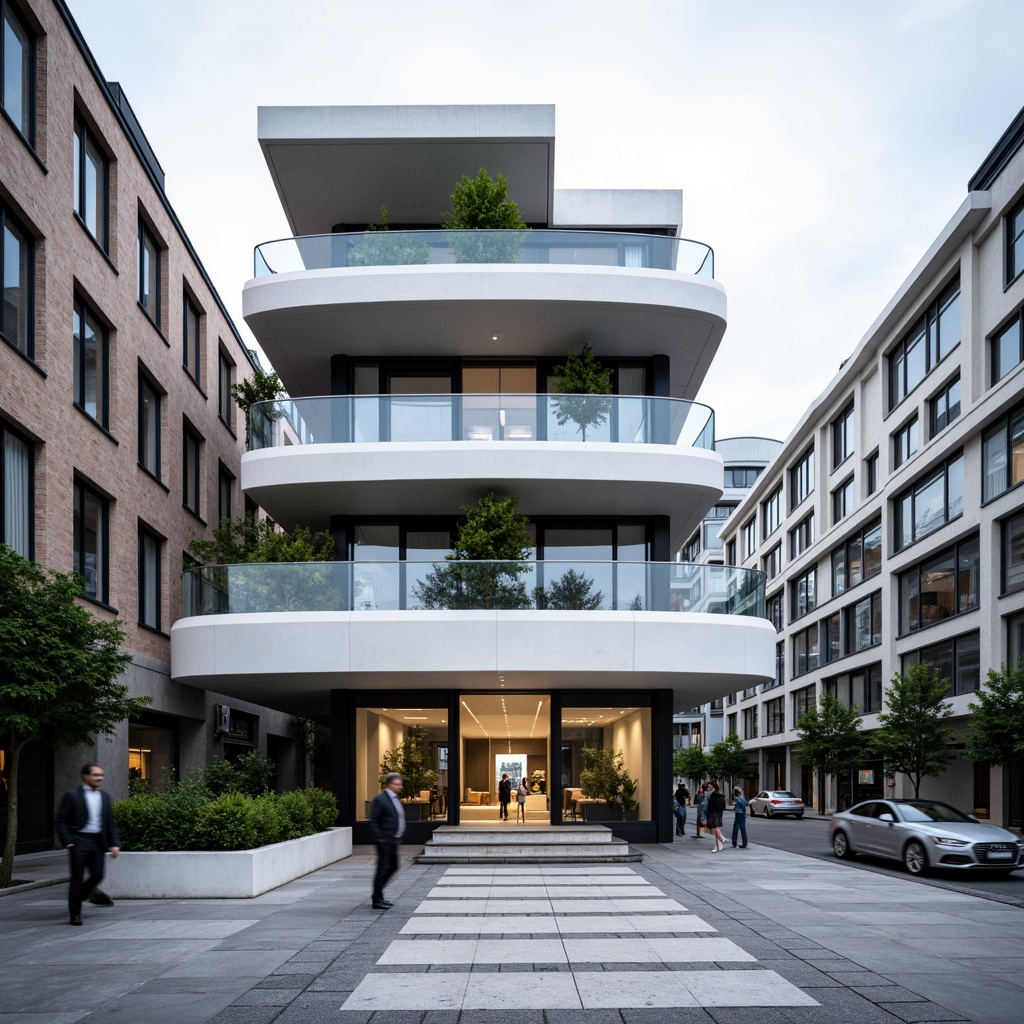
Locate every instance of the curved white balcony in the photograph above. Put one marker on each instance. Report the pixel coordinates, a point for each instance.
(619, 292)
(286, 635)
(385, 454)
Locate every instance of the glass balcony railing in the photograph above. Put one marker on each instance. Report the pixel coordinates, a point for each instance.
(467, 585)
(623, 419)
(552, 246)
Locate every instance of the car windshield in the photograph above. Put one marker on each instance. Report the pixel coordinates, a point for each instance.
(925, 810)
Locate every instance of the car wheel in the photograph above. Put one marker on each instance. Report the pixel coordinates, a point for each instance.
(915, 860)
(768, 812)
(841, 846)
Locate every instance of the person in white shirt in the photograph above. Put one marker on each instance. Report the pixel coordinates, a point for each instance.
(387, 820)
(86, 829)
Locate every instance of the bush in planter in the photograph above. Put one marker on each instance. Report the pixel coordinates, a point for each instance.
(273, 825)
(222, 777)
(299, 813)
(323, 806)
(228, 823)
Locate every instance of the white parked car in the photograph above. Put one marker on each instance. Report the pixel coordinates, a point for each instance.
(776, 803)
(924, 834)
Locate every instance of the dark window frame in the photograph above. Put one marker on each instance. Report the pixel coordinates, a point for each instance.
(801, 479)
(1014, 225)
(801, 536)
(853, 550)
(1007, 540)
(774, 716)
(914, 582)
(844, 500)
(10, 222)
(925, 331)
(960, 646)
(146, 534)
(802, 650)
(146, 234)
(871, 466)
(771, 564)
(225, 377)
(83, 311)
(771, 512)
(82, 490)
(84, 135)
(906, 442)
(871, 685)
(224, 478)
(775, 606)
(146, 383)
(193, 464)
(192, 347)
(798, 607)
(5, 430)
(843, 428)
(917, 488)
(995, 348)
(1002, 429)
(9, 10)
(942, 410)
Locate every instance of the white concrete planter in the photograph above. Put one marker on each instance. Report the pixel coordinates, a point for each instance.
(230, 874)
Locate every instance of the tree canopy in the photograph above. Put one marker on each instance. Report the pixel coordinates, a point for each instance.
(996, 728)
(830, 739)
(58, 670)
(483, 202)
(690, 763)
(246, 539)
(582, 382)
(493, 537)
(728, 760)
(260, 386)
(913, 738)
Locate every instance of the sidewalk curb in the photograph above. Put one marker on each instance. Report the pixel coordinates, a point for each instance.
(11, 890)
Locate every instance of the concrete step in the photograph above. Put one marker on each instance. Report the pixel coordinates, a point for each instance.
(590, 844)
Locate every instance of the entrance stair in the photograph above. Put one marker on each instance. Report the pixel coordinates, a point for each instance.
(575, 844)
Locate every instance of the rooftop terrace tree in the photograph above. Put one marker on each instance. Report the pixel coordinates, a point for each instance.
(483, 204)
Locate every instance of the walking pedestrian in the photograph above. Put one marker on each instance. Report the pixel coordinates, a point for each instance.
(521, 794)
(86, 829)
(682, 796)
(716, 807)
(702, 809)
(387, 821)
(739, 823)
(504, 796)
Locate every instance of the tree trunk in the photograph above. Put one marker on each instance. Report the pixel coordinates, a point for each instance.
(11, 840)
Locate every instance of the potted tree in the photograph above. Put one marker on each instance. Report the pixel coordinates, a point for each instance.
(604, 777)
(412, 760)
(484, 224)
(582, 384)
(380, 248)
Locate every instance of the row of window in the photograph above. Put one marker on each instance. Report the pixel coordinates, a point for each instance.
(847, 631)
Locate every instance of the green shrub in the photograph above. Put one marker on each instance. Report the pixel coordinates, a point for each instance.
(180, 807)
(222, 777)
(141, 822)
(227, 823)
(255, 770)
(272, 822)
(324, 807)
(299, 812)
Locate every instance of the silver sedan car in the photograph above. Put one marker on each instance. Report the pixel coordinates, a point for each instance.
(924, 834)
(776, 803)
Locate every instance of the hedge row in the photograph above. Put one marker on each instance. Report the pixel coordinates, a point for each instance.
(187, 818)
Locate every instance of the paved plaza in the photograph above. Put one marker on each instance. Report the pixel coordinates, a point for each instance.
(758, 935)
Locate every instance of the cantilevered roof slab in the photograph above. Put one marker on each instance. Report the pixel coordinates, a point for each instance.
(336, 165)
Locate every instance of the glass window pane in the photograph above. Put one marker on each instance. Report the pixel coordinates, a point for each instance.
(994, 464)
(1017, 448)
(949, 327)
(930, 507)
(968, 664)
(872, 551)
(916, 362)
(1006, 351)
(17, 68)
(15, 315)
(17, 494)
(149, 440)
(1013, 553)
(375, 582)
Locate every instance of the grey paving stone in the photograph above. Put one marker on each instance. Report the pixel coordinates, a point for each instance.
(510, 1016)
(682, 1015)
(889, 993)
(247, 1015)
(267, 997)
(919, 1012)
(853, 976)
(291, 981)
(582, 1017)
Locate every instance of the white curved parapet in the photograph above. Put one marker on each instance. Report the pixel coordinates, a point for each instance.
(303, 318)
(294, 659)
(306, 483)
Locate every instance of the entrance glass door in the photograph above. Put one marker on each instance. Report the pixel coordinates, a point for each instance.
(504, 734)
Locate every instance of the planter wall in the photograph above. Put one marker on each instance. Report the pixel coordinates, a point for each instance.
(231, 874)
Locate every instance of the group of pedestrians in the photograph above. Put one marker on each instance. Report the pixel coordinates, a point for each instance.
(710, 806)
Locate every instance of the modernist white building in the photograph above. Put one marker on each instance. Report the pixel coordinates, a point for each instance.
(890, 523)
(420, 366)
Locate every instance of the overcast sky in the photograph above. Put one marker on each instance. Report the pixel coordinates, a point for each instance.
(820, 145)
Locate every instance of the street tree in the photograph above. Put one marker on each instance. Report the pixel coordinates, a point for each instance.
(690, 763)
(728, 760)
(914, 738)
(995, 733)
(58, 670)
(830, 740)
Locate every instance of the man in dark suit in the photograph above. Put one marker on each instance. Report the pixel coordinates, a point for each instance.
(387, 820)
(86, 829)
(504, 796)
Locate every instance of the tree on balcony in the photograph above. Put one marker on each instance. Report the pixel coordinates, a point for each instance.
(253, 565)
(58, 670)
(483, 204)
(260, 387)
(489, 558)
(582, 382)
(380, 248)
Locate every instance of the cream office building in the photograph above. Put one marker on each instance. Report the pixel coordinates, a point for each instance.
(890, 524)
